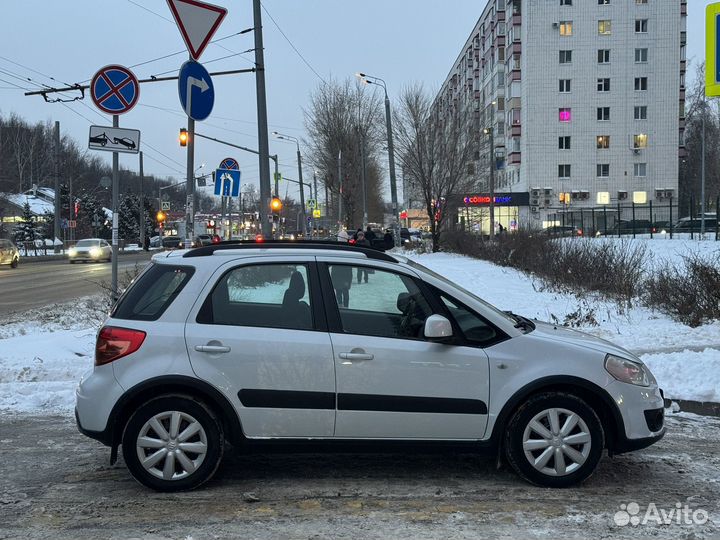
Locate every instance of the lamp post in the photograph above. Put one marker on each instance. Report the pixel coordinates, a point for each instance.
(370, 79)
(491, 185)
(300, 178)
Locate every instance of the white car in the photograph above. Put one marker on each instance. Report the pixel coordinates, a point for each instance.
(275, 342)
(90, 249)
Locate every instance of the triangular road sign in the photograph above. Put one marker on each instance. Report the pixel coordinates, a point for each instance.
(197, 22)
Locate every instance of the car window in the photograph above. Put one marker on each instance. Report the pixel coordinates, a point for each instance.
(152, 293)
(474, 328)
(375, 302)
(266, 295)
(88, 243)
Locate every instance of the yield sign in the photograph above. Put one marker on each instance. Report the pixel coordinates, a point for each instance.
(197, 22)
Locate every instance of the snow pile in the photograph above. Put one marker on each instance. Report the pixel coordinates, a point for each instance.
(687, 374)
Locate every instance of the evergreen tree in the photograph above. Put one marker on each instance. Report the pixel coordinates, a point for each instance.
(129, 218)
(26, 230)
(91, 212)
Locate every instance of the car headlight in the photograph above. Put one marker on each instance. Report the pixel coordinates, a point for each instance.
(95, 252)
(628, 371)
(72, 252)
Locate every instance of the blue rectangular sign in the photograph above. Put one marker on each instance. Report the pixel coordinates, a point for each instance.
(227, 182)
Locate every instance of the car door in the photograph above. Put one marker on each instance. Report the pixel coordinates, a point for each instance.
(391, 381)
(259, 332)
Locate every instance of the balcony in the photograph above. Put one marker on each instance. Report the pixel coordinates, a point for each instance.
(516, 130)
(514, 158)
(516, 19)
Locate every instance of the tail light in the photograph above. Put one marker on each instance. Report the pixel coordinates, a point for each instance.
(259, 239)
(580, 232)
(351, 241)
(113, 343)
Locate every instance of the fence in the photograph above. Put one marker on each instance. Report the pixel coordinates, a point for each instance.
(666, 219)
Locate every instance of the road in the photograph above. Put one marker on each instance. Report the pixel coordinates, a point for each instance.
(58, 484)
(49, 282)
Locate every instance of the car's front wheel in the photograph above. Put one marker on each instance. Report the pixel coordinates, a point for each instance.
(14, 263)
(173, 443)
(554, 439)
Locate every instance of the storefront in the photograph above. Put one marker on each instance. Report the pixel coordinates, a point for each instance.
(473, 212)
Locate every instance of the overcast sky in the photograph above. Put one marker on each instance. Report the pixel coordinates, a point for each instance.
(402, 41)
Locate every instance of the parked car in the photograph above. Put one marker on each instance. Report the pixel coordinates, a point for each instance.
(410, 236)
(248, 344)
(9, 253)
(687, 224)
(563, 230)
(90, 249)
(629, 226)
(202, 240)
(171, 242)
(155, 242)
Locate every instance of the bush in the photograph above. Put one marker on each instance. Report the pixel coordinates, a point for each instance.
(688, 292)
(614, 270)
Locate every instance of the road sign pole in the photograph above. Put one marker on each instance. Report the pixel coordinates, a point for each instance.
(190, 191)
(263, 145)
(56, 159)
(142, 206)
(115, 220)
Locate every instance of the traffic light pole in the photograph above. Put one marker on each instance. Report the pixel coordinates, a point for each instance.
(190, 183)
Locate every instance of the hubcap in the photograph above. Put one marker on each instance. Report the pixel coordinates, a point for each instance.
(557, 442)
(171, 445)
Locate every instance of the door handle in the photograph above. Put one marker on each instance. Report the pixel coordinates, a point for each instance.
(214, 349)
(355, 356)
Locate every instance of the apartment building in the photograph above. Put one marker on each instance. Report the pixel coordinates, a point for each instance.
(577, 104)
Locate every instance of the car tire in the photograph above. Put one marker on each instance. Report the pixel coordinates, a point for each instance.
(14, 263)
(561, 434)
(149, 434)
(71, 261)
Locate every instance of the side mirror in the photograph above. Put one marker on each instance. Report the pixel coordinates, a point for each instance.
(438, 327)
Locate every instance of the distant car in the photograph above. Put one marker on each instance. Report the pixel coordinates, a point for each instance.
(202, 240)
(171, 241)
(686, 224)
(127, 143)
(410, 236)
(629, 226)
(90, 249)
(155, 242)
(101, 139)
(563, 230)
(9, 254)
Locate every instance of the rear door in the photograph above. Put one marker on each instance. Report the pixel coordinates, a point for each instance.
(391, 381)
(258, 331)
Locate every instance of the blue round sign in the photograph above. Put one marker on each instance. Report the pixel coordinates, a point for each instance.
(196, 90)
(229, 163)
(114, 89)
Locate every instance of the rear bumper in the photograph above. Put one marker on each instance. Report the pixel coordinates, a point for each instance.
(104, 436)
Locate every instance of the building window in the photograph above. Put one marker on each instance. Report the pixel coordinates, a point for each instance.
(603, 141)
(641, 84)
(604, 27)
(640, 140)
(640, 112)
(639, 170)
(640, 197)
(564, 86)
(564, 142)
(603, 85)
(565, 57)
(603, 56)
(641, 26)
(566, 2)
(603, 114)
(641, 2)
(566, 28)
(603, 2)
(564, 171)
(641, 56)
(603, 170)
(565, 114)
(603, 197)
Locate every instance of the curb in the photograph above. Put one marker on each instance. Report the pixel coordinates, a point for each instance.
(704, 408)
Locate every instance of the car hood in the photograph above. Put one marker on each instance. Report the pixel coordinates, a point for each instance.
(569, 336)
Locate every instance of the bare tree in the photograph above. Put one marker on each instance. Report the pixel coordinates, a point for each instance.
(434, 147)
(344, 119)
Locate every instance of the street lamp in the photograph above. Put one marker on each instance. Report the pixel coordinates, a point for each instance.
(370, 79)
(300, 178)
(491, 185)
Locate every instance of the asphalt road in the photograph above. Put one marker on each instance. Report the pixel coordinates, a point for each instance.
(57, 484)
(38, 284)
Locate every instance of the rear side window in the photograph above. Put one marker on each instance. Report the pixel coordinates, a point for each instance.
(152, 293)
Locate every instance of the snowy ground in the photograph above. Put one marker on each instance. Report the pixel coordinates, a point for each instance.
(43, 354)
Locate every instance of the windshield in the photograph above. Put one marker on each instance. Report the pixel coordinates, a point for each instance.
(500, 313)
(88, 243)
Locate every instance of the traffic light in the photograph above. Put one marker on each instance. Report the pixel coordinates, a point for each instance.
(183, 137)
(161, 217)
(276, 204)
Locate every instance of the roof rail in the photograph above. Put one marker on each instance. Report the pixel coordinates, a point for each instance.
(330, 245)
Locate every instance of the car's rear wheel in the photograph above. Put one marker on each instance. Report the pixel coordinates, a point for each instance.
(173, 443)
(554, 439)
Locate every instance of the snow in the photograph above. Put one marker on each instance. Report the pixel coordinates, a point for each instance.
(38, 206)
(44, 353)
